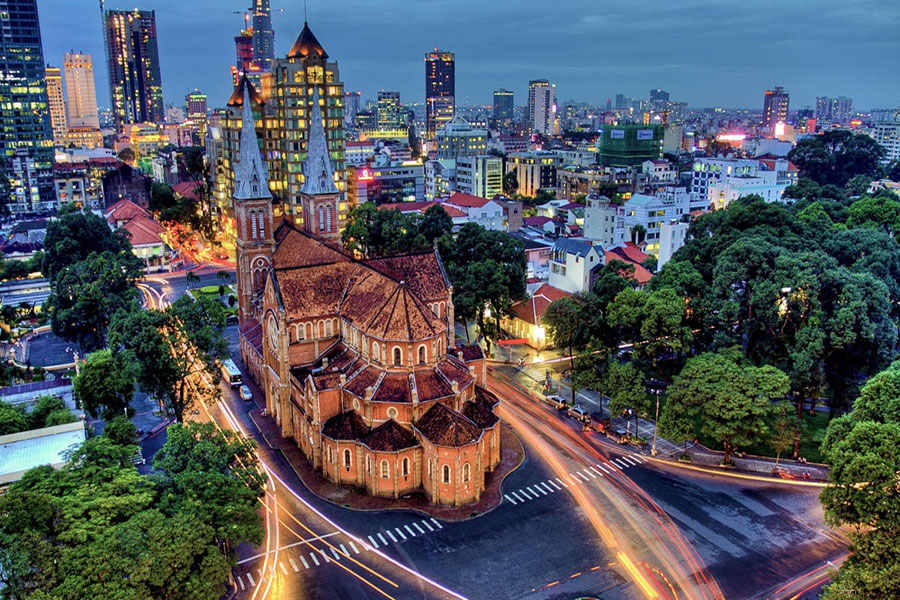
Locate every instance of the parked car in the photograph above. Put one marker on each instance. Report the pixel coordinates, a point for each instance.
(231, 319)
(246, 393)
(579, 414)
(599, 423)
(556, 402)
(618, 435)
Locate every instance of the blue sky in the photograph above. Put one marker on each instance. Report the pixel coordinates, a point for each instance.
(704, 52)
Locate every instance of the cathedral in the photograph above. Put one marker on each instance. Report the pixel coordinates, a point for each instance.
(355, 356)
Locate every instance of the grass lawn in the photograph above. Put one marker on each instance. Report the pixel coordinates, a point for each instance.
(810, 439)
(212, 291)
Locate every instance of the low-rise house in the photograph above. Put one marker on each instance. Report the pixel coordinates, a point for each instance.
(482, 211)
(147, 235)
(526, 317)
(574, 264)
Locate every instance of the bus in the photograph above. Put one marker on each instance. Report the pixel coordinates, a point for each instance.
(231, 373)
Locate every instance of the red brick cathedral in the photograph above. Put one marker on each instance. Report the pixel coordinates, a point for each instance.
(355, 356)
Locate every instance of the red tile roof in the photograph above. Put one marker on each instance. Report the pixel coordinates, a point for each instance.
(532, 310)
(252, 332)
(455, 370)
(122, 211)
(394, 387)
(537, 221)
(186, 189)
(144, 231)
(345, 426)
(445, 427)
(390, 436)
(479, 414)
(430, 385)
(368, 377)
(629, 253)
(467, 200)
(421, 206)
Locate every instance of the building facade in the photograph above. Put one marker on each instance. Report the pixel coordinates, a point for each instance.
(629, 144)
(132, 61)
(195, 111)
(56, 102)
(504, 103)
(535, 170)
(440, 90)
(480, 175)
(458, 138)
(604, 221)
(81, 92)
(386, 184)
(776, 103)
(353, 356)
(390, 113)
(888, 135)
(26, 138)
(541, 106)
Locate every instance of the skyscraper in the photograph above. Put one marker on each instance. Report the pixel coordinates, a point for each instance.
(391, 115)
(775, 108)
(833, 110)
(440, 89)
(243, 50)
(26, 138)
(132, 56)
(541, 106)
(263, 35)
(57, 103)
(659, 96)
(503, 105)
(195, 110)
(81, 94)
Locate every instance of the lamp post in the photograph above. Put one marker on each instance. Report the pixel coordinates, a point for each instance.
(655, 423)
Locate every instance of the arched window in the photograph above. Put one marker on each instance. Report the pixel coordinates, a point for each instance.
(347, 458)
(446, 473)
(368, 464)
(321, 329)
(422, 354)
(398, 356)
(253, 232)
(261, 220)
(301, 331)
(430, 469)
(375, 355)
(385, 469)
(440, 348)
(328, 328)
(330, 454)
(467, 469)
(321, 218)
(307, 330)
(328, 219)
(405, 465)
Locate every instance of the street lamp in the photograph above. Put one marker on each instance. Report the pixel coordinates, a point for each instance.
(656, 423)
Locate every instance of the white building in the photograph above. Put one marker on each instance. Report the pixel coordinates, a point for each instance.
(660, 171)
(482, 211)
(672, 235)
(458, 138)
(888, 135)
(604, 221)
(650, 212)
(541, 106)
(574, 264)
(440, 178)
(721, 180)
(480, 176)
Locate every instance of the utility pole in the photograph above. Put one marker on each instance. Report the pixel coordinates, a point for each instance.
(655, 423)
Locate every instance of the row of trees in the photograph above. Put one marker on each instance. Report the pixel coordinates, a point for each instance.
(98, 529)
(47, 412)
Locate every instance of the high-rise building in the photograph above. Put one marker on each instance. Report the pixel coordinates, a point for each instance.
(57, 103)
(541, 106)
(629, 145)
(391, 115)
(263, 36)
(26, 137)
(888, 135)
(659, 96)
(504, 100)
(458, 138)
(81, 94)
(243, 55)
(351, 106)
(833, 110)
(195, 110)
(132, 55)
(775, 108)
(440, 90)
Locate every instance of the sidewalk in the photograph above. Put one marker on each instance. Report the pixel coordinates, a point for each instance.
(533, 378)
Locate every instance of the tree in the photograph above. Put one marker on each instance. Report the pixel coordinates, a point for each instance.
(614, 277)
(638, 233)
(857, 185)
(173, 348)
(624, 384)
(510, 183)
(127, 155)
(562, 319)
(663, 329)
(105, 385)
(836, 156)
(162, 198)
(120, 431)
(875, 212)
(435, 223)
(785, 428)
(77, 234)
(191, 278)
(12, 419)
(86, 294)
(676, 425)
(49, 411)
(731, 399)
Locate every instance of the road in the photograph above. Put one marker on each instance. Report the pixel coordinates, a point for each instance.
(580, 517)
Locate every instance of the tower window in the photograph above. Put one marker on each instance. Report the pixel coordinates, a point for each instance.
(422, 355)
(446, 472)
(253, 227)
(347, 458)
(261, 221)
(406, 467)
(385, 469)
(398, 357)
(321, 219)
(328, 219)
(466, 472)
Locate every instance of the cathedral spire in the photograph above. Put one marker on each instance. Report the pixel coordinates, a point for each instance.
(318, 172)
(250, 176)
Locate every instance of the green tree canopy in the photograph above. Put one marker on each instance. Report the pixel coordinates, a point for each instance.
(837, 156)
(77, 234)
(105, 385)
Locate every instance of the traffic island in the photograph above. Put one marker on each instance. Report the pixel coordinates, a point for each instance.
(512, 454)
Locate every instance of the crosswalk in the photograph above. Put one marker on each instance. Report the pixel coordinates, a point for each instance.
(557, 484)
(385, 537)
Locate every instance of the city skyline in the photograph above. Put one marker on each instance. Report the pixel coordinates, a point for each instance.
(703, 54)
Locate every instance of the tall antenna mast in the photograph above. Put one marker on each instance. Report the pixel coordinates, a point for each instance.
(304, 11)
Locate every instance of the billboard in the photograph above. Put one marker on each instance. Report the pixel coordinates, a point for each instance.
(645, 134)
(617, 134)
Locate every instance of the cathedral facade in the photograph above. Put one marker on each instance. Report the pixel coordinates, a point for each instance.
(355, 356)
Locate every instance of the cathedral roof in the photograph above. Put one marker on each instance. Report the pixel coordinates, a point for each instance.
(445, 427)
(390, 436)
(345, 426)
(318, 172)
(307, 44)
(250, 174)
(237, 96)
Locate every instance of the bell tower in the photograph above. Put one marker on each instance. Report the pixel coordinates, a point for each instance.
(319, 196)
(252, 211)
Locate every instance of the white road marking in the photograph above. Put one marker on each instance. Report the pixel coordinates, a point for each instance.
(313, 539)
(400, 533)
(563, 483)
(535, 493)
(526, 494)
(303, 560)
(336, 555)
(374, 543)
(250, 579)
(383, 541)
(355, 549)
(519, 498)
(439, 526)
(591, 473)
(547, 487)
(553, 483)
(411, 532)
(596, 471)
(602, 468)
(510, 499)
(344, 550)
(583, 477)
(325, 556)
(425, 523)
(416, 525)
(283, 568)
(390, 535)
(312, 555)
(294, 565)
(241, 581)
(261, 576)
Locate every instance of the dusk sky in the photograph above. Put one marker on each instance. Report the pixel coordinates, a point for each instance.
(704, 52)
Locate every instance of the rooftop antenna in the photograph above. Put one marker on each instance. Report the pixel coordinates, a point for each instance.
(304, 11)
